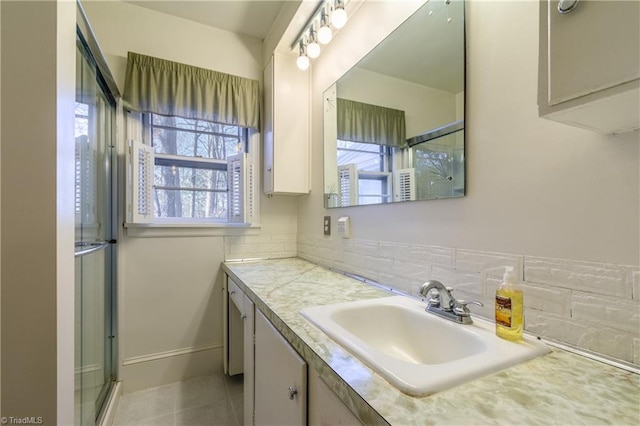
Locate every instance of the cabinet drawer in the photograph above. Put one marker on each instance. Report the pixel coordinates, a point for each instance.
(235, 295)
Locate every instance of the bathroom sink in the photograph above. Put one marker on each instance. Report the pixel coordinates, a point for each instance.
(418, 352)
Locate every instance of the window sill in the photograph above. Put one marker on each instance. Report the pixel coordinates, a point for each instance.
(187, 229)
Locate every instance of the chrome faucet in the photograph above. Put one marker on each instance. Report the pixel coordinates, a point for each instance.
(449, 308)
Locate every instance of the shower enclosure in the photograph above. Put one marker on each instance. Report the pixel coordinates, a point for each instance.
(95, 251)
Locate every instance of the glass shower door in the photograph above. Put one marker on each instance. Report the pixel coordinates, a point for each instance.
(94, 248)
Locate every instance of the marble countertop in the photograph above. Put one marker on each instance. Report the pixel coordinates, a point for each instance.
(558, 388)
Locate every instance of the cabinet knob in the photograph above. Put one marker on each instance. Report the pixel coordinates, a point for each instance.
(292, 392)
(566, 6)
(243, 316)
(232, 292)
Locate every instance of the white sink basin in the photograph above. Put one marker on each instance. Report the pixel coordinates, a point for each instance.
(418, 352)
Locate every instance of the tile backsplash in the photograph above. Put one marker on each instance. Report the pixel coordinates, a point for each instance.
(263, 246)
(590, 305)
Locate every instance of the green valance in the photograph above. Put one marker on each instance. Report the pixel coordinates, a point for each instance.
(365, 123)
(171, 88)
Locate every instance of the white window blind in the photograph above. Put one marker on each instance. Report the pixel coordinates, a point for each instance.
(140, 166)
(236, 179)
(85, 181)
(404, 184)
(348, 185)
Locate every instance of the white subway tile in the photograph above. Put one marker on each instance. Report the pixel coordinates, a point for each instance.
(394, 250)
(268, 247)
(636, 351)
(607, 279)
(283, 238)
(554, 327)
(547, 299)
(415, 271)
(608, 311)
(364, 247)
(433, 255)
(636, 284)
(604, 340)
(492, 264)
(470, 283)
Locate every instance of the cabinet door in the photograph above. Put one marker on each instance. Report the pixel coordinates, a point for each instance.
(248, 378)
(280, 378)
(594, 47)
(325, 408)
(233, 341)
(286, 128)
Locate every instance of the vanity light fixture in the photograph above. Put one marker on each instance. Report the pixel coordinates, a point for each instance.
(318, 30)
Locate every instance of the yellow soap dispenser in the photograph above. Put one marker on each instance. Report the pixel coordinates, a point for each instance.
(509, 307)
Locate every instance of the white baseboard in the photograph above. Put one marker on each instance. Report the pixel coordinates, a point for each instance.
(151, 370)
(168, 354)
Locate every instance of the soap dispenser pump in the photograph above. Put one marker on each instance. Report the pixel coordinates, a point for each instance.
(509, 307)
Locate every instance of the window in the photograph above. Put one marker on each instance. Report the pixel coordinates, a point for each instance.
(190, 173)
(192, 170)
(371, 164)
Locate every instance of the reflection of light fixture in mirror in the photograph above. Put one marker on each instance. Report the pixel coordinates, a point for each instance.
(313, 48)
(324, 33)
(303, 60)
(339, 16)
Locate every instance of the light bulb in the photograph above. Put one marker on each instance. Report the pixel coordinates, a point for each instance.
(302, 62)
(313, 49)
(324, 34)
(339, 17)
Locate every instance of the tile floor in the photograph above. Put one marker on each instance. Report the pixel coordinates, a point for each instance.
(211, 400)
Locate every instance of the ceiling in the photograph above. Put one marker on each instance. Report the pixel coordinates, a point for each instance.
(252, 18)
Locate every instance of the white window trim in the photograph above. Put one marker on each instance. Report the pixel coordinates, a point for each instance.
(178, 227)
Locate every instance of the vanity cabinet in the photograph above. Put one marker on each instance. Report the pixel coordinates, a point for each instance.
(286, 127)
(589, 67)
(279, 388)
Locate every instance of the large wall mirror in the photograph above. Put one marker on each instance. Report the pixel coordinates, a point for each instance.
(394, 123)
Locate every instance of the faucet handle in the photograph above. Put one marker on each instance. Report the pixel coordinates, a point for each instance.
(434, 299)
(460, 307)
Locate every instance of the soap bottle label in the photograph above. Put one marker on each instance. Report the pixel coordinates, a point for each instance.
(503, 311)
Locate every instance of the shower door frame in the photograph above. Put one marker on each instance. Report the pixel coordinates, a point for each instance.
(107, 84)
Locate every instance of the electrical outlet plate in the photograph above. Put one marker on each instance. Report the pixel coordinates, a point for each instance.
(344, 227)
(327, 225)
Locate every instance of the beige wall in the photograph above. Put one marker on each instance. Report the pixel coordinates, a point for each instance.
(169, 285)
(38, 91)
(534, 187)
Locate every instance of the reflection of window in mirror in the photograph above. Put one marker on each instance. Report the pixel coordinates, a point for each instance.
(370, 175)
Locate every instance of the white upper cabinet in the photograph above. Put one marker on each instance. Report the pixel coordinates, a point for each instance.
(286, 127)
(589, 72)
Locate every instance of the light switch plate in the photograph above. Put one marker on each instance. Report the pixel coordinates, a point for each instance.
(327, 225)
(344, 227)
